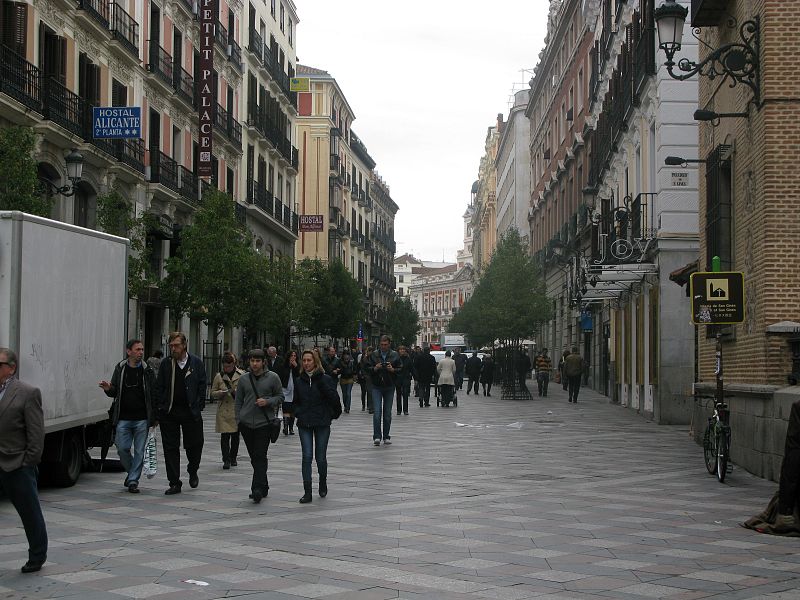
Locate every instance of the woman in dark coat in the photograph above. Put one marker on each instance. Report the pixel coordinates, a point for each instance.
(487, 374)
(314, 396)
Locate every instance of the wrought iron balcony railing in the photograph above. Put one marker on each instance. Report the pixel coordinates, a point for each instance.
(184, 85)
(63, 106)
(163, 170)
(187, 184)
(97, 9)
(130, 152)
(161, 63)
(124, 28)
(256, 44)
(20, 79)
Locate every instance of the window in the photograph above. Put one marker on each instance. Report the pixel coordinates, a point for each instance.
(291, 33)
(14, 32)
(283, 17)
(400, 278)
(272, 8)
(719, 230)
(279, 191)
(119, 94)
(229, 181)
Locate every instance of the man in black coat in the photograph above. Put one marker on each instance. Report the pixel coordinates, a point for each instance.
(424, 368)
(473, 369)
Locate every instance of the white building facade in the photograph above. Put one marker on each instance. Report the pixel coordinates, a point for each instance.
(513, 165)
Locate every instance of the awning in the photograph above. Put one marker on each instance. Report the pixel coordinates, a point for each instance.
(681, 276)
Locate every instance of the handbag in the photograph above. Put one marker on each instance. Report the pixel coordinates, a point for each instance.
(150, 459)
(274, 427)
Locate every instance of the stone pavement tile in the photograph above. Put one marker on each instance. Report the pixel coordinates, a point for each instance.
(648, 590)
(80, 576)
(597, 584)
(375, 593)
(147, 590)
(557, 576)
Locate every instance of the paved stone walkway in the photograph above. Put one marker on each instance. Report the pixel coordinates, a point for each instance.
(538, 499)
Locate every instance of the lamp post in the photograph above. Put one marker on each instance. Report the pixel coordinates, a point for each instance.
(74, 162)
(739, 61)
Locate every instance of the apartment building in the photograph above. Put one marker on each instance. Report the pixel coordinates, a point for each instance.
(60, 59)
(339, 185)
(438, 293)
(484, 218)
(513, 167)
(406, 271)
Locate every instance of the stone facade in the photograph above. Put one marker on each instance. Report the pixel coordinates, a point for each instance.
(513, 170)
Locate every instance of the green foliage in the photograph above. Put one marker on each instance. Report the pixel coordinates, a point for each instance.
(214, 272)
(19, 186)
(335, 299)
(116, 216)
(509, 302)
(402, 320)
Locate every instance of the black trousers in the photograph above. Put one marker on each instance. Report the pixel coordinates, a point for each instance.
(542, 379)
(21, 488)
(472, 383)
(487, 387)
(574, 386)
(257, 442)
(171, 427)
(230, 446)
(789, 491)
(424, 394)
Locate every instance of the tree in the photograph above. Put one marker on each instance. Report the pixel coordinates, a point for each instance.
(212, 275)
(336, 303)
(116, 216)
(509, 303)
(19, 186)
(402, 320)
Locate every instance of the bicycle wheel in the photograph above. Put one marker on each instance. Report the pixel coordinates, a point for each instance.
(723, 450)
(709, 449)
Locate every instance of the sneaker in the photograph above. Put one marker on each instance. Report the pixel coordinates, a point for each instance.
(387, 442)
(376, 442)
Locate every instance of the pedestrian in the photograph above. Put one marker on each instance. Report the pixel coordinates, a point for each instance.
(332, 364)
(384, 365)
(522, 366)
(181, 398)
(573, 369)
(404, 381)
(291, 369)
(274, 361)
(487, 374)
(425, 367)
(347, 375)
(155, 360)
(258, 398)
(543, 367)
(21, 446)
(365, 380)
(313, 397)
(473, 369)
(133, 410)
(564, 381)
(461, 364)
(447, 378)
(223, 389)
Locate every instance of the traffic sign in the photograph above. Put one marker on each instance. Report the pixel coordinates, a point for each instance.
(717, 298)
(117, 122)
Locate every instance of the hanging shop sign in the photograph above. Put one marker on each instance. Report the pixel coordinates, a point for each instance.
(311, 223)
(205, 87)
(117, 122)
(299, 84)
(717, 298)
(622, 250)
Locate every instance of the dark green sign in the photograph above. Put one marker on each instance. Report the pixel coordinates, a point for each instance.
(717, 298)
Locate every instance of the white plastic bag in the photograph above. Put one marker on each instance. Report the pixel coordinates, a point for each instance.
(150, 455)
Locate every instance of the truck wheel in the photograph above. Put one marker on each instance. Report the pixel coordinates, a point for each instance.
(66, 472)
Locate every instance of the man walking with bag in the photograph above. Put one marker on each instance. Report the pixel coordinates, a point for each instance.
(258, 398)
(133, 411)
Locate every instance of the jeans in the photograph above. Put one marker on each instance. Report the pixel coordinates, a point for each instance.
(424, 394)
(230, 446)
(403, 392)
(314, 443)
(459, 379)
(382, 405)
(347, 391)
(574, 384)
(20, 487)
(131, 433)
(257, 442)
(542, 379)
(171, 427)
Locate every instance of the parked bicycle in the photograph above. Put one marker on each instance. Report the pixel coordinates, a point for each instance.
(717, 442)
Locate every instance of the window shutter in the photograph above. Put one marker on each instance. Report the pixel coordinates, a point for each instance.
(94, 85)
(15, 27)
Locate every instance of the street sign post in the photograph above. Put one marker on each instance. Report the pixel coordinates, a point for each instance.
(717, 298)
(117, 122)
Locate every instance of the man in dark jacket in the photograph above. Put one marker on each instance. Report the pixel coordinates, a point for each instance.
(258, 397)
(573, 370)
(404, 381)
(461, 364)
(181, 397)
(332, 365)
(424, 368)
(133, 411)
(473, 368)
(384, 366)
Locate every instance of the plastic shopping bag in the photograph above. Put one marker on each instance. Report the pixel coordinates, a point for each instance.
(150, 456)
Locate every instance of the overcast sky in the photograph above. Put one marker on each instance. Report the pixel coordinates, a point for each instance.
(425, 80)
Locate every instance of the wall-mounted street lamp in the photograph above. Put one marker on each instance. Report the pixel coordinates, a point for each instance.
(679, 161)
(738, 60)
(74, 162)
(714, 117)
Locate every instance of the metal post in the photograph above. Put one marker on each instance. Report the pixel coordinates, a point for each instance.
(718, 372)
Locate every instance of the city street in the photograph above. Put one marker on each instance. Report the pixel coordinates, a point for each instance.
(490, 500)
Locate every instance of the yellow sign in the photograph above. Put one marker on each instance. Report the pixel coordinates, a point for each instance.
(299, 84)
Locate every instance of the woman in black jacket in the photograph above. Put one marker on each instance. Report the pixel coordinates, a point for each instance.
(315, 397)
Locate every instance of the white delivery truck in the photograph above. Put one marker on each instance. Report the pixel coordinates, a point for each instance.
(64, 311)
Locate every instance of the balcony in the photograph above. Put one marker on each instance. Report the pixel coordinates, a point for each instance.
(240, 212)
(163, 170)
(256, 45)
(228, 126)
(295, 159)
(20, 79)
(644, 48)
(641, 217)
(184, 85)
(97, 10)
(124, 29)
(221, 36)
(335, 161)
(187, 184)
(235, 54)
(161, 64)
(63, 107)
(130, 152)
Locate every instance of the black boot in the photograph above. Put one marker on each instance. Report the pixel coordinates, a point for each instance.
(307, 495)
(323, 487)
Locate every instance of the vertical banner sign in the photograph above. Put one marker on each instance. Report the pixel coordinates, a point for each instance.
(205, 86)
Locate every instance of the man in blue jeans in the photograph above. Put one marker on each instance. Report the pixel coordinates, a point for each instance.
(132, 412)
(383, 365)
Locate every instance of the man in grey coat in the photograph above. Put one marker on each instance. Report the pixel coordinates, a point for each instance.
(258, 398)
(21, 445)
